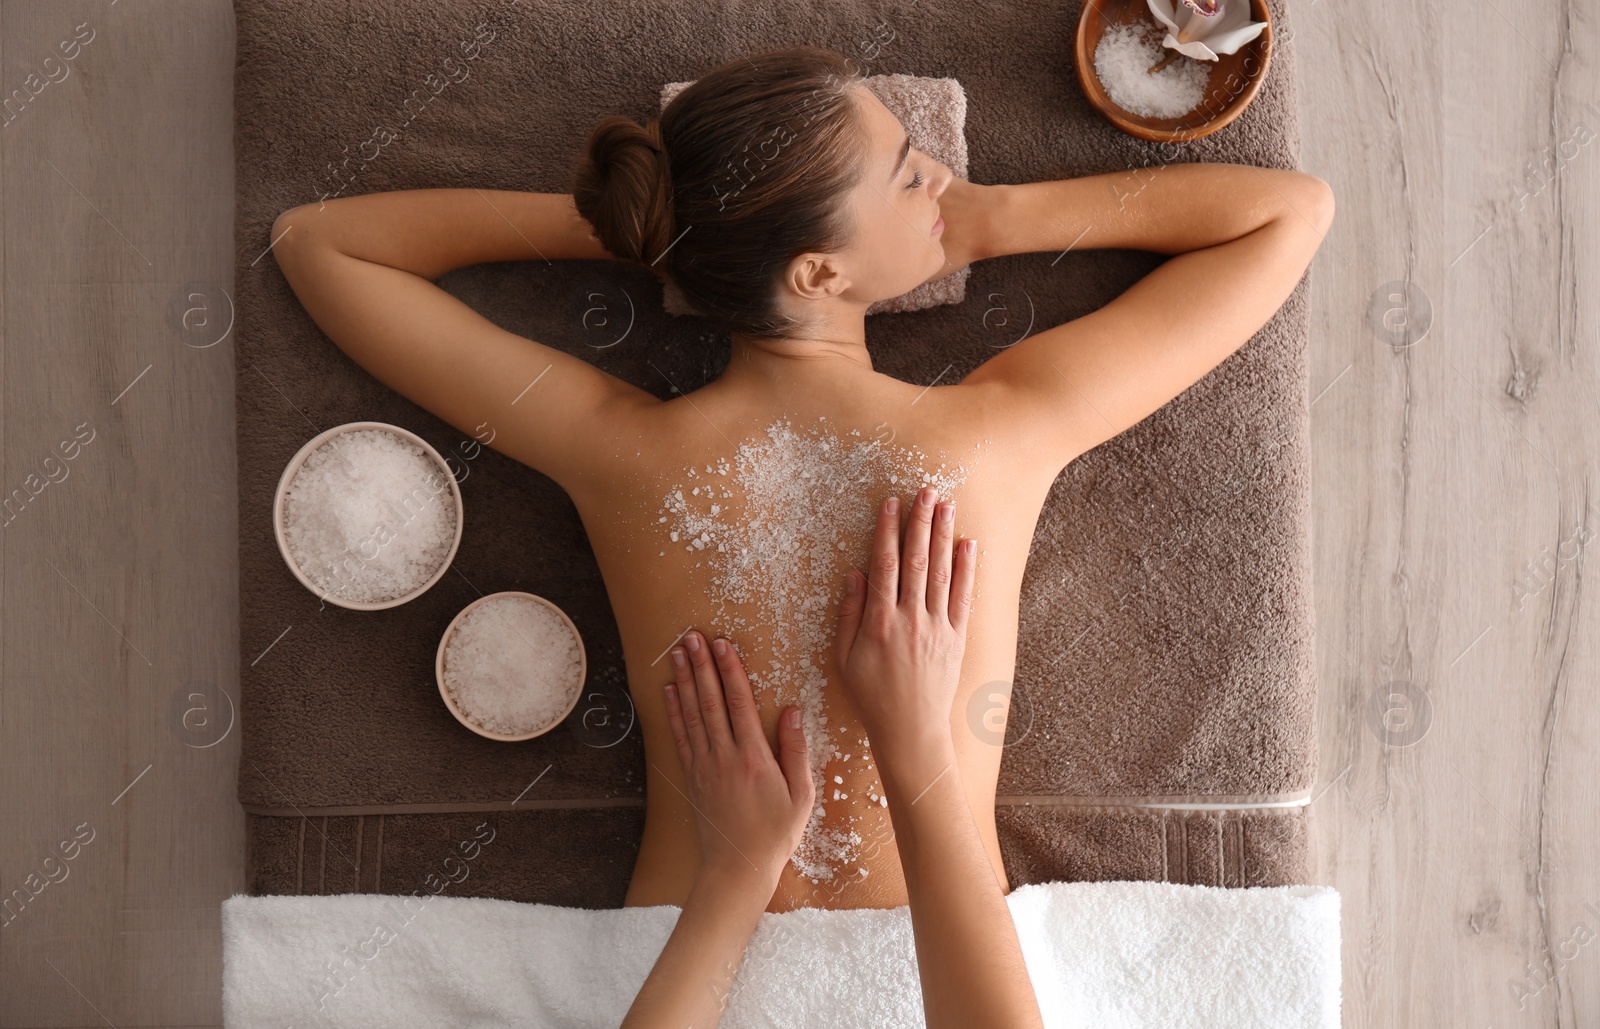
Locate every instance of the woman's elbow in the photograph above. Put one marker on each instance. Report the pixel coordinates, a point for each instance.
(297, 226)
(1314, 202)
(284, 235)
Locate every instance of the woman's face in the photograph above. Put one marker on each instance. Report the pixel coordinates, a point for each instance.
(894, 210)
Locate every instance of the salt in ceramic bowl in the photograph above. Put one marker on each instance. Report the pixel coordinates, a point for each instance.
(577, 685)
(283, 491)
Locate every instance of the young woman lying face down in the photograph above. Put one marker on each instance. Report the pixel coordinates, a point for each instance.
(782, 198)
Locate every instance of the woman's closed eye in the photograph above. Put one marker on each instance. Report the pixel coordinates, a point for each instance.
(916, 180)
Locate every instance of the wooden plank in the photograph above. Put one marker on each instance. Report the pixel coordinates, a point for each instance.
(120, 584)
(1445, 465)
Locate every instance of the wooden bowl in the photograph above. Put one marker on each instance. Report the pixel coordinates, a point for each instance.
(293, 469)
(449, 701)
(1235, 77)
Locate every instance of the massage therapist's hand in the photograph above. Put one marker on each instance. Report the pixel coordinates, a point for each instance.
(751, 805)
(902, 635)
(903, 629)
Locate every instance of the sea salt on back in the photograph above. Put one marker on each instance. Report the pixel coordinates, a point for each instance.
(512, 665)
(807, 494)
(369, 516)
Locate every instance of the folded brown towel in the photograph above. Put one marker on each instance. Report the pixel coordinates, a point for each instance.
(1166, 640)
(934, 113)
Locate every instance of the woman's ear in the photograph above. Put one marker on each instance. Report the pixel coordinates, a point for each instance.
(817, 276)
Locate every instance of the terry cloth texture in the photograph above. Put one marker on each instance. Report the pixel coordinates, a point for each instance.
(1115, 955)
(934, 114)
(1166, 650)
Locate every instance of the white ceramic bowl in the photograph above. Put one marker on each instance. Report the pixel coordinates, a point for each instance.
(294, 467)
(577, 686)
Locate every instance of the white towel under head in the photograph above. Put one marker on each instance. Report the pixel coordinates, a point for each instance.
(1108, 955)
(934, 113)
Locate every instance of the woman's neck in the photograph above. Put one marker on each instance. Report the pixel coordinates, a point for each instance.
(783, 362)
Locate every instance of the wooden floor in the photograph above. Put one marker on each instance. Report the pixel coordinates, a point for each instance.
(1456, 431)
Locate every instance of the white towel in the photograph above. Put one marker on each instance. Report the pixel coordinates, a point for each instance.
(1108, 955)
(934, 113)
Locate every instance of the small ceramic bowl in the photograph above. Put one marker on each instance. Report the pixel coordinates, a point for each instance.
(1235, 78)
(294, 467)
(577, 686)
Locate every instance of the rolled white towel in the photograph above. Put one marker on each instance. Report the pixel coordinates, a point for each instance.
(1109, 955)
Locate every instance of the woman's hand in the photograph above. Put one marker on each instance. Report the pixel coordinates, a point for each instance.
(903, 630)
(751, 806)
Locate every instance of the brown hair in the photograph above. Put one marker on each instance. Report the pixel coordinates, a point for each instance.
(746, 169)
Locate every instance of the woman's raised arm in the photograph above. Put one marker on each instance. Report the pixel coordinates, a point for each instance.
(362, 266)
(432, 231)
(1242, 237)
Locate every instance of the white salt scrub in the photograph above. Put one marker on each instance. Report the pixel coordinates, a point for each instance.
(512, 666)
(369, 516)
(811, 503)
(1122, 63)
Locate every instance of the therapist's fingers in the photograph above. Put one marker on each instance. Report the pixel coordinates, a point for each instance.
(939, 559)
(682, 710)
(739, 697)
(914, 554)
(850, 609)
(883, 569)
(794, 757)
(688, 688)
(966, 571)
(708, 687)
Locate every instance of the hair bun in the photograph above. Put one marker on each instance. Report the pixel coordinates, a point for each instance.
(623, 186)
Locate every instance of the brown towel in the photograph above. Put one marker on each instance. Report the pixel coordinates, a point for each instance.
(1166, 641)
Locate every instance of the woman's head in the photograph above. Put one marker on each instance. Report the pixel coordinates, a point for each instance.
(770, 187)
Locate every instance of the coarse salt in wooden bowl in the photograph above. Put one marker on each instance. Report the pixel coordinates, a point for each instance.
(440, 481)
(1234, 81)
(516, 641)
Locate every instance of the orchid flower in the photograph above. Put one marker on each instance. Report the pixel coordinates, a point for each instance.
(1204, 29)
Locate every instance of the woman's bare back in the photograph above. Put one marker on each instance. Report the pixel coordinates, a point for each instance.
(739, 515)
(1009, 427)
